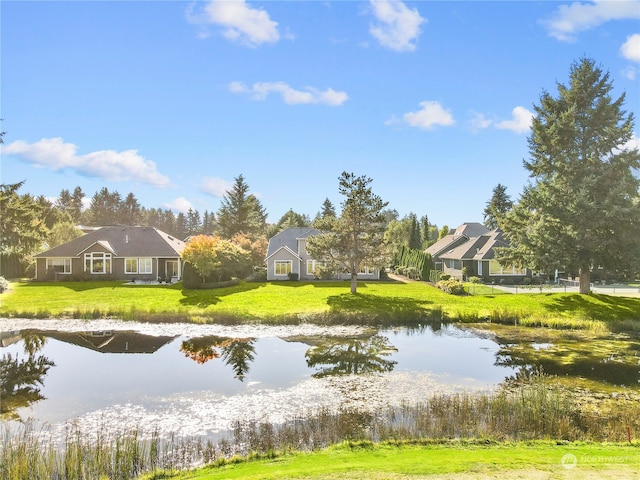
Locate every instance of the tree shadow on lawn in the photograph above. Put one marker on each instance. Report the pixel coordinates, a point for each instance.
(207, 297)
(379, 307)
(597, 306)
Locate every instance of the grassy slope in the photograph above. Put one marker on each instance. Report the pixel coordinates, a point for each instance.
(377, 461)
(276, 301)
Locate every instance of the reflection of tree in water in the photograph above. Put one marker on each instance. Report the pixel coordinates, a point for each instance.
(344, 356)
(615, 365)
(238, 353)
(21, 379)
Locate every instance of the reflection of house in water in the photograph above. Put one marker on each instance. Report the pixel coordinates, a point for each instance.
(9, 338)
(112, 341)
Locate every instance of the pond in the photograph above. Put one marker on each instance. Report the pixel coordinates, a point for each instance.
(196, 380)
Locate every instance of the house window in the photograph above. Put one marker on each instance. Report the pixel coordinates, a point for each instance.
(145, 265)
(365, 270)
(97, 262)
(59, 265)
(138, 265)
(313, 266)
(282, 267)
(496, 269)
(171, 268)
(130, 265)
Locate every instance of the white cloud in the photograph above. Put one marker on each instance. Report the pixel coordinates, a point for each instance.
(520, 121)
(430, 115)
(631, 48)
(478, 121)
(56, 155)
(397, 26)
(240, 22)
(568, 20)
(180, 205)
(216, 187)
(310, 95)
(632, 144)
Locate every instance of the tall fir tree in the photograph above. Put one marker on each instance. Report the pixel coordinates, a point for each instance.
(241, 211)
(582, 209)
(497, 207)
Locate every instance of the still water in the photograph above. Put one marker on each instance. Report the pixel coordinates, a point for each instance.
(196, 380)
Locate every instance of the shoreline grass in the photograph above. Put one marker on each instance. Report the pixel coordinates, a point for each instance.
(536, 410)
(376, 303)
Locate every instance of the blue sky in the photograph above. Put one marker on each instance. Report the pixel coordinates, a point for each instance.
(173, 100)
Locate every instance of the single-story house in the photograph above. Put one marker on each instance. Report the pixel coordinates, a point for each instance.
(472, 247)
(114, 252)
(287, 254)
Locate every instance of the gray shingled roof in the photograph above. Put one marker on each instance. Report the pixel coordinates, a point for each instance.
(289, 238)
(123, 242)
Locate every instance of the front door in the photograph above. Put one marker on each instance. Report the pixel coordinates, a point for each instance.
(171, 268)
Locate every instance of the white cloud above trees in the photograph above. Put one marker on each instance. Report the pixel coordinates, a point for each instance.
(631, 48)
(570, 19)
(520, 121)
(291, 96)
(216, 187)
(57, 155)
(430, 115)
(239, 22)
(180, 205)
(396, 27)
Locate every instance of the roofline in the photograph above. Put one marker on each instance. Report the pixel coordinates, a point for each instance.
(285, 248)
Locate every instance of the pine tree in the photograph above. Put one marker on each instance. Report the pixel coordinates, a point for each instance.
(582, 209)
(497, 207)
(356, 239)
(240, 211)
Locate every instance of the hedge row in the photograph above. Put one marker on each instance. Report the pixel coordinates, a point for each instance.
(411, 258)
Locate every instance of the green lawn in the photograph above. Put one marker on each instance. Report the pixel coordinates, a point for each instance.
(450, 460)
(317, 301)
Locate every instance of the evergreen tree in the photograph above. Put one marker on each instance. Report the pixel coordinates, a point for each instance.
(130, 211)
(240, 211)
(194, 224)
(104, 208)
(356, 239)
(22, 223)
(582, 209)
(415, 237)
(77, 204)
(497, 207)
(328, 210)
(425, 230)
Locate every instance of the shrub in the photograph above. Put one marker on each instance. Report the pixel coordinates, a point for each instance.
(452, 286)
(445, 276)
(413, 273)
(292, 276)
(4, 284)
(475, 280)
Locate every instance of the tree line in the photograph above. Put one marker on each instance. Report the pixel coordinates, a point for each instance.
(579, 212)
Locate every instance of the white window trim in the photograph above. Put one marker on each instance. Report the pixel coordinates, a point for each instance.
(312, 265)
(504, 273)
(66, 261)
(92, 256)
(280, 262)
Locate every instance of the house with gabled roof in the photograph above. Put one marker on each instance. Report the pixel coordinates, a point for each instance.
(287, 254)
(472, 247)
(114, 252)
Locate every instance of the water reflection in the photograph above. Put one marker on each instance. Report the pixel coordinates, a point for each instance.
(21, 379)
(351, 356)
(607, 361)
(238, 353)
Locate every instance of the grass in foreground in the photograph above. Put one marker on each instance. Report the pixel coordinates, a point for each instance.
(323, 302)
(531, 410)
(358, 460)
